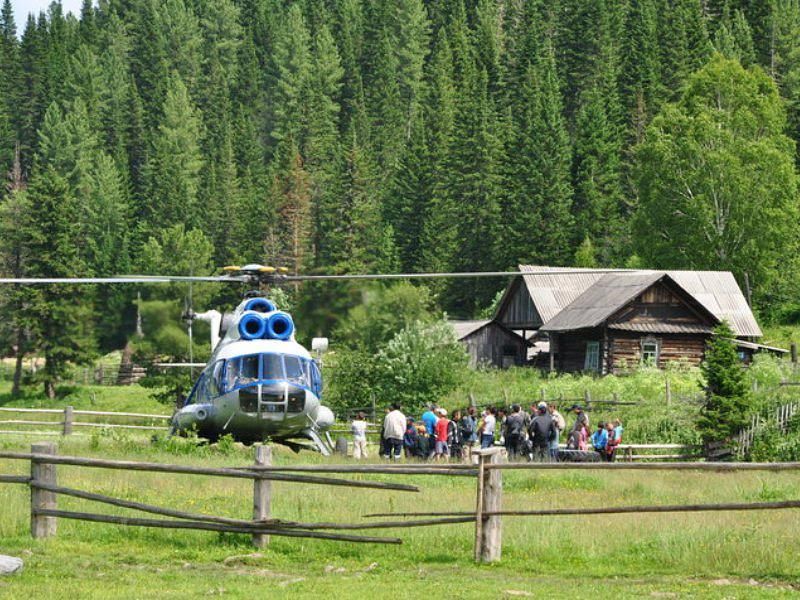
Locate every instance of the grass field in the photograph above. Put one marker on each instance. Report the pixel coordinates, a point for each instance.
(714, 555)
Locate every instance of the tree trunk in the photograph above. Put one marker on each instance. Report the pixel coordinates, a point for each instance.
(16, 386)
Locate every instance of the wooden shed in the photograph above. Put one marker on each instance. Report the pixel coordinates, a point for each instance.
(490, 343)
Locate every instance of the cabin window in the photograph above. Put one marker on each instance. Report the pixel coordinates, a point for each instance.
(650, 351)
(592, 362)
(294, 370)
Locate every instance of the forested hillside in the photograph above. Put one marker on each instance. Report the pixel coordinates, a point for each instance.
(173, 136)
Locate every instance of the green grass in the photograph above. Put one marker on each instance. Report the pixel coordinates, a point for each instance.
(131, 398)
(710, 555)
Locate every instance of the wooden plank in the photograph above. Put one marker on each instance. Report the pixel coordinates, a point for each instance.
(52, 411)
(121, 414)
(609, 510)
(42, 527)
(202, 526)
(14, 479)
(262, 495)
(130, 465)
(29, 432)
(676, 466)
(272, 523)
(120, 426)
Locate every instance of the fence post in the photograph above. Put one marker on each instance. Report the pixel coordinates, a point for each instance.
(667, 391)
(68, 420)
(489, 532)
(793, 352)
(42, 527)
(262, 495)
(587, 398)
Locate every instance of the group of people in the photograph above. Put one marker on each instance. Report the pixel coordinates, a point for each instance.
(534, 435)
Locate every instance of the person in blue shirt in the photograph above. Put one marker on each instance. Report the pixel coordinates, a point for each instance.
(599, 439)
(429, 418)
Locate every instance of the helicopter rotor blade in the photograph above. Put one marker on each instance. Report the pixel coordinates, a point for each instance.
(461, 275)
(123, 279)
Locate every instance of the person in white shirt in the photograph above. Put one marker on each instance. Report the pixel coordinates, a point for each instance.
(394, 426)
(359, 429)
(487, 431)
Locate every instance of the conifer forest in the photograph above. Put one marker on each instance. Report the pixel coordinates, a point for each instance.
(355, 136)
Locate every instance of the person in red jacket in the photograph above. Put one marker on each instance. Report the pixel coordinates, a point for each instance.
(441, 430)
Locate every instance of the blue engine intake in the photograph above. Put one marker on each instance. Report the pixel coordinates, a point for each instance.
(279, 326)
(252, 326)
(260, 305)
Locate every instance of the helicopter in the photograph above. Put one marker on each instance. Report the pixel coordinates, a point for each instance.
(259, 382)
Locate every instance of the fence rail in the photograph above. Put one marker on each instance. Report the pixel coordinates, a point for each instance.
(67, 423)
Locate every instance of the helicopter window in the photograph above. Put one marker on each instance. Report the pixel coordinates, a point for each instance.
(271, 366)
(242, 371)
(217, 373)
(315, 378)
(248, 370)
(294, 370)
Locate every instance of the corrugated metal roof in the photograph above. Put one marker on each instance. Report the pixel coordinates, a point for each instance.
(660, 328)
(720, 294)
(717, 291)
(551, 293)
(601, 300)
(465, 328)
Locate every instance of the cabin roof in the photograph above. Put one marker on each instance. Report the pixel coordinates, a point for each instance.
(716, 291)
(465, 328)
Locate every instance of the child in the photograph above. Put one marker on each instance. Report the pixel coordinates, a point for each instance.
(613, 442)
(409, 438)
(359, 429)
(600, 439)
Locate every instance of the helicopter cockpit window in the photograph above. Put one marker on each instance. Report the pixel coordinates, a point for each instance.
(242, 371)
(247, 370)
(271, 367)
(294, 370)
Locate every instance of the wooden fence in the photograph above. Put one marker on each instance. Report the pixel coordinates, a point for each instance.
(487, 516)
(68, 419)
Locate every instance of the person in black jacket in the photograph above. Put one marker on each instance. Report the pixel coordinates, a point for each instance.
(541, 430)
(515, 432)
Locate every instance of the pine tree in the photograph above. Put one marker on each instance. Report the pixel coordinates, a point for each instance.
(724, 412)
(288, 241)
(289, 82)
(599, 195)
(59, 317)
(641, 75)
(474, 193)
(10, 79)
(172, 174)
(537, 220)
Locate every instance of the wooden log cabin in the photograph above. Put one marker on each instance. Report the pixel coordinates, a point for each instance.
(608, 321)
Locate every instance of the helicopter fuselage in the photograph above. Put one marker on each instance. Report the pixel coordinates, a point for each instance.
(254, 390)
